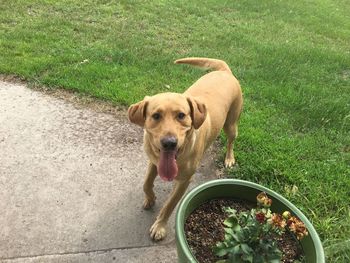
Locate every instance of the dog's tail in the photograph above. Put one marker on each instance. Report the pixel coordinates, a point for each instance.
(208, 63)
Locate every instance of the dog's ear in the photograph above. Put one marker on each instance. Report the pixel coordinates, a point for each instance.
(137, 112)
(198, 112)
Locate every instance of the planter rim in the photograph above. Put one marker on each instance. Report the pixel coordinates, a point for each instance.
(180, 235)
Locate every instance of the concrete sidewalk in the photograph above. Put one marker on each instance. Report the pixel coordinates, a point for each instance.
(71, 184)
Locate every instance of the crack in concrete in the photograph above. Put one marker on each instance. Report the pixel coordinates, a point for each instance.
(171, 243)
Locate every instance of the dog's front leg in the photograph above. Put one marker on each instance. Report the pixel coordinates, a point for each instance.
(158, 229)
(150, 197)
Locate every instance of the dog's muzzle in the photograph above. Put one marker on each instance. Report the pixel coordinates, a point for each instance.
(169, 143)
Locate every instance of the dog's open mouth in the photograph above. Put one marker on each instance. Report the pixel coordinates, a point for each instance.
(167, 167)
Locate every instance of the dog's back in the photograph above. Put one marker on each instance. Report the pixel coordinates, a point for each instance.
(219, 90)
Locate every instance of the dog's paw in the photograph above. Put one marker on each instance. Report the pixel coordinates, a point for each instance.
(230, 162)
(158, 231)
(148, 203)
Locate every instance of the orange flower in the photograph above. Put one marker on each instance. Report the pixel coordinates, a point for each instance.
(278, 221)
(263, 200)
(296, 226)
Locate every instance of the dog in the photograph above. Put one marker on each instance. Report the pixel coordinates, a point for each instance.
(178, 128)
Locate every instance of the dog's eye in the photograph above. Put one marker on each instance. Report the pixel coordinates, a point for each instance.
(181, 116)
(156, 116)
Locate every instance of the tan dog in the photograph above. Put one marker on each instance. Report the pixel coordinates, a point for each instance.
(178, 128)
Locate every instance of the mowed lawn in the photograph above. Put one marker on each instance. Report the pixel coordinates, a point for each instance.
(291, 57)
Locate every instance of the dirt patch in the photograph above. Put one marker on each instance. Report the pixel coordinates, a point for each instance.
(345, 74)
(204, 227)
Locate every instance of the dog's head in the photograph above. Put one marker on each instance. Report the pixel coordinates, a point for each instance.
(168, 119)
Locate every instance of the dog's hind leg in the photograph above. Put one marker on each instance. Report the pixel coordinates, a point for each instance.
(231, 131)
(231, 134)
(150, 197)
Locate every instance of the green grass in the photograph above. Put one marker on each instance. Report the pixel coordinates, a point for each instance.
(291, 57)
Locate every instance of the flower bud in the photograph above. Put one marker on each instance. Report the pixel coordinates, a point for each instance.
(286, 214)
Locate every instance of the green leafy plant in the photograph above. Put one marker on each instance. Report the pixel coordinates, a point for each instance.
(251, 236)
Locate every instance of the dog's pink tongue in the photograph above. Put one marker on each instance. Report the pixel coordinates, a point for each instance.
(167, 167)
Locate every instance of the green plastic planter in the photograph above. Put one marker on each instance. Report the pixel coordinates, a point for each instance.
(231, 188)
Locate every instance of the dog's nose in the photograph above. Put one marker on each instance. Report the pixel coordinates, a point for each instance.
(169, 143)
